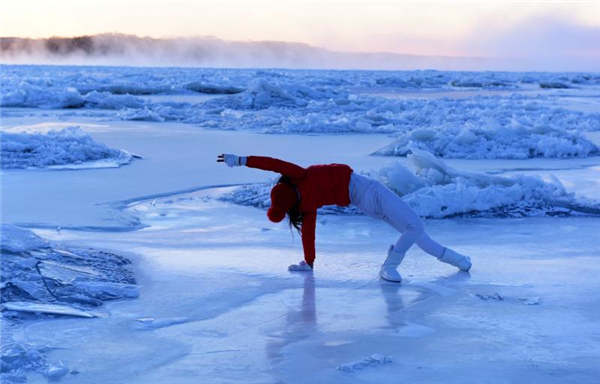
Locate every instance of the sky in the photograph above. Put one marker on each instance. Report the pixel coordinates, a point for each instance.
(481, 28)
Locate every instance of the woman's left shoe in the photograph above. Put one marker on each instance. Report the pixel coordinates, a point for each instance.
(389, 269)
(451, 257)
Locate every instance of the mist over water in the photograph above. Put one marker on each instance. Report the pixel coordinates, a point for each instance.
(119, 49)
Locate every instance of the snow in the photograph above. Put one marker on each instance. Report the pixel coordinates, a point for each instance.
(187, 278)
(69, 147)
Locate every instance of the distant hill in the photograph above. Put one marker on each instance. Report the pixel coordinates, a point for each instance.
(120, 49)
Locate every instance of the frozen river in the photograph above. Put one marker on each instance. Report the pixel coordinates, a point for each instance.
(217, 304)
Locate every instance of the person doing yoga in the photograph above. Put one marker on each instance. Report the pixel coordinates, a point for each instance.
(300, 191)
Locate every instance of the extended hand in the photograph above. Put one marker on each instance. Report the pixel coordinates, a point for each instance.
(231, 160)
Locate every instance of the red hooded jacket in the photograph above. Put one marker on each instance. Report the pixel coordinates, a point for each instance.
(318, 185)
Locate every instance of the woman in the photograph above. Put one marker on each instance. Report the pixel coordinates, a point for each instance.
(301, 191)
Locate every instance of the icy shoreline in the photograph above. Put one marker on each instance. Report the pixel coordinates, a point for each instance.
(42, 281)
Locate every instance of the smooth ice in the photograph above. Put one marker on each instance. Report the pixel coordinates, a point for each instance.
(224, 307)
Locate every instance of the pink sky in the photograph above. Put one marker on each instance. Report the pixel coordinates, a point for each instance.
(457, 28)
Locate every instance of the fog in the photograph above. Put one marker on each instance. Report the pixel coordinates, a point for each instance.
(544, 42)
(541, 43)
(119, 49)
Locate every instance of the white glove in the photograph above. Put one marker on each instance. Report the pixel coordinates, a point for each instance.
(231, 160)
(300, 267)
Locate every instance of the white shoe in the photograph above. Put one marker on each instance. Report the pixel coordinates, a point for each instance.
(389, 270)
(451, 257)
(300, 267)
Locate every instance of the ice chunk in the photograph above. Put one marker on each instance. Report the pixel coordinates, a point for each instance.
(17, 358)
(147, 323)
(53, 309)
(213, 89)
(144, 114)
(369, 361)
(105, 290)
(107, 100)
(135, 89)
(65, 273)
(16, 240)
(56, 371)
(490, 297)
(448, 192)
(554, 84)
(27, 95)
(517, 141)
(70, 146)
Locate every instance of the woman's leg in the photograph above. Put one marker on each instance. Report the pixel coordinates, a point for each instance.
(398, 214)
(376, 200)
(430, 246)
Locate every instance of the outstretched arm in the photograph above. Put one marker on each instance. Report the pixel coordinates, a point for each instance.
(265, 163)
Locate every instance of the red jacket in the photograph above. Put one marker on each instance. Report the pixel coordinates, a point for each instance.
(318, 185)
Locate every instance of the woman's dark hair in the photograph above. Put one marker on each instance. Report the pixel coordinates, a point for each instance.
(294, 214)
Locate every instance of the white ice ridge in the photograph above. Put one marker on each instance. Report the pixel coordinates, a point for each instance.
(435, 190)
(526, 137)
(69, 147)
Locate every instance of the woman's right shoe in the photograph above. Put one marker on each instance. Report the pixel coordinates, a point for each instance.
(451, 257)
(389, 269)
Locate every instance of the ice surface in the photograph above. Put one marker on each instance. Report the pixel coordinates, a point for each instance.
(214, 297)
(69, 147)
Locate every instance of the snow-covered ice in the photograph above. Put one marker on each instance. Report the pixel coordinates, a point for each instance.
(187, 280)
(67, 148)
(515, 140)
(526, 120)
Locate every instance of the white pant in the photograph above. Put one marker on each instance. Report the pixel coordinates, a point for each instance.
(376, 200)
